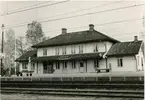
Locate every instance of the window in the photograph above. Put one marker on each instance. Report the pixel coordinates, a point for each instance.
(73, 64)
(120, 62)
(73, 49)
(33, 66)
(95, 48)
(96, 63)
(24, 65)
(138, 60)
(64, 50)
(56, 51)
(80, 48)
(142, 61)
(81, 64)
(57, 65)
(64, 65)
(44, 51)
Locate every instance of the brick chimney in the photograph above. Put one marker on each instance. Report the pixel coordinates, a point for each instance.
(64, 30)
(135, 38)
(91, 27)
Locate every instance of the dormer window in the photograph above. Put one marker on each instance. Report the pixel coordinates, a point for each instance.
(95, 48)
(44, 51)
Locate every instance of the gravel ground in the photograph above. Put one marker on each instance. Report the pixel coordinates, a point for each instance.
(49, 97)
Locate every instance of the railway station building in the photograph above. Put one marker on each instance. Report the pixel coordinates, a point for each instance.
(86, 51)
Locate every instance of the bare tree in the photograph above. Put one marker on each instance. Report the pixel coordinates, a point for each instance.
(34, 33)
(20, 46)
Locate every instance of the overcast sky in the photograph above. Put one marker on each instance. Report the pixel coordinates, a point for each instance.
(123, 31)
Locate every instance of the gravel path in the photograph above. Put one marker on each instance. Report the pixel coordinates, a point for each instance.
(49, 97)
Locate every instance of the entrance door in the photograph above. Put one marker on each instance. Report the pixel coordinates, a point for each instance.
(47, 67)
(50, 68)
(81, 66)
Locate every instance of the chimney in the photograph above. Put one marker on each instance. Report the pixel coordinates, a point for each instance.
(91, 27)
(64, 30)
(135, 38)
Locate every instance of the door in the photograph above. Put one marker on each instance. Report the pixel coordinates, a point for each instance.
(45, 68)
(50, 68)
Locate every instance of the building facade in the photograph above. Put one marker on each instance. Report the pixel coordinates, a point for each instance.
(83, 52)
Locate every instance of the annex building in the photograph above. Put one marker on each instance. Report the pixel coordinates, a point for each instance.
(83, 52)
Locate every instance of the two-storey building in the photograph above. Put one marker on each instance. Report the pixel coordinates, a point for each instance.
(83, 52)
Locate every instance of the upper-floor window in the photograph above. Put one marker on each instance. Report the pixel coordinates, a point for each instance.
(64, 50)
(57, 65)
(95, 48)
(56, 51)
(120, 62)
(44, 51)
(80, 48)
(73, 64)
(73, 49)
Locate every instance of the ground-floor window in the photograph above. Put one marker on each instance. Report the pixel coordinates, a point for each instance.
(73, 64)
(64, 65)
(24, 65)
(81, 64)
(57, 65)
(33, 66)
(142, 61)
(120, 62)
(96, 63)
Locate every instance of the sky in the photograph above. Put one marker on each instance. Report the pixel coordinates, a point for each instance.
(123, 31)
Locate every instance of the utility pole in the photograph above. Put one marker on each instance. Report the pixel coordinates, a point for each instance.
(2, 45)
(15, 53)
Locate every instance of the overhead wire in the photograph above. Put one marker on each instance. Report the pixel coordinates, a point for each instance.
(62, 18)
(12, 12)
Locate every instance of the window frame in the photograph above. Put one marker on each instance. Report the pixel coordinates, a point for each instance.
(96, 63)
(81, 48)
(57, 65)
(73, 51)
(24, 66)
(120, 62)
(44, 51)
(96, 48)
(57, 51)
(64, 65)
(73, 64)
(64, 48)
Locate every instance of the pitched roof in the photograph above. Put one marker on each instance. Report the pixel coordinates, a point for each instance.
(74, 38)
(124, 48)
(25, 56)
(83, 56)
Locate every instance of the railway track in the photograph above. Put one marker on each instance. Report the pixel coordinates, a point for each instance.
(77, 92)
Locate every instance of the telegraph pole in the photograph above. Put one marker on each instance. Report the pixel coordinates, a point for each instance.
(2, 45)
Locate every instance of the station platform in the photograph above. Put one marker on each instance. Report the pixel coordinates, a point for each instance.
(119, 73)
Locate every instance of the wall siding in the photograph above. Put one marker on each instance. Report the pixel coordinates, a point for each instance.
(129, 64)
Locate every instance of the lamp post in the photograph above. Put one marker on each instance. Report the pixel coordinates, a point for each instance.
(2, 45)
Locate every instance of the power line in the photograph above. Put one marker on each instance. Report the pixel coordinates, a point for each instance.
(103, 11)
(102, 24)
(76, 11)
(79, 10)
(27, 6)
(12, 12)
